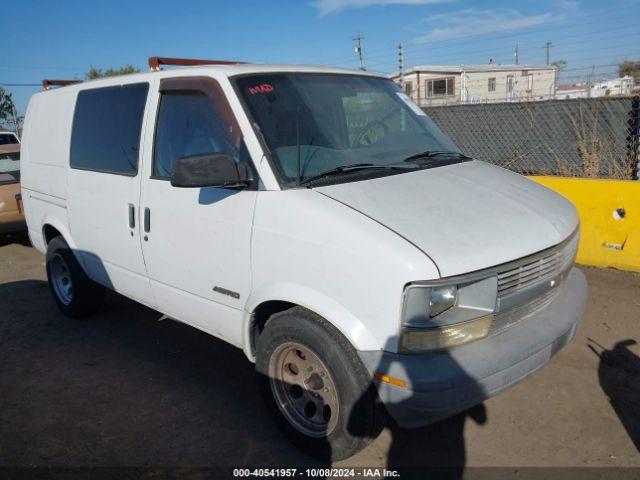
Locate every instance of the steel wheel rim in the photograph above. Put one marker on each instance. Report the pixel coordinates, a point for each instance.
(61, 279)
(304, 389)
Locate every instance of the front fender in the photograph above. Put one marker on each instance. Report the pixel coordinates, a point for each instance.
(336, 314)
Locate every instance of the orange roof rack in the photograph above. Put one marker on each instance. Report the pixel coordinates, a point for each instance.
(47, 84)
(155, 62)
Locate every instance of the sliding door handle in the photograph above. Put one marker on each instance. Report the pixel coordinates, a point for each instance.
(132, 216)
(147, 220)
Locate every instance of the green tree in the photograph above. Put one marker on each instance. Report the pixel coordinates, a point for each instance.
(6, 105)
(110, 72)
(630, 67)
(8, 113)
(559, 64)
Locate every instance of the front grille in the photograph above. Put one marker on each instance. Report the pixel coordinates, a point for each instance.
(545, 265)
(515, 315)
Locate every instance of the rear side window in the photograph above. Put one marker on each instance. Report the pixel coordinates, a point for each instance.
(106, 129)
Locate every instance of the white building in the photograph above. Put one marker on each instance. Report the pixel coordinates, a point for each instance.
(572, 90)
(602, 88)
(439, 85)
(616, 86)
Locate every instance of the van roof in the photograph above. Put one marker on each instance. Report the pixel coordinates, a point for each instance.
(226, 70)
(248, 68)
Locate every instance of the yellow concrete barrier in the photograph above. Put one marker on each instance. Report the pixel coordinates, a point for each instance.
(610, 219)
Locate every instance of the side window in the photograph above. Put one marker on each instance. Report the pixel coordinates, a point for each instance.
(188, 124)
(106, 129)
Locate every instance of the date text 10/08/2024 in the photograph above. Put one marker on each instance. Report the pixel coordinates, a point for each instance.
(316, 473)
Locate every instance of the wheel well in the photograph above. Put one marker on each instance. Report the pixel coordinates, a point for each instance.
(262, 313)
(50, 233)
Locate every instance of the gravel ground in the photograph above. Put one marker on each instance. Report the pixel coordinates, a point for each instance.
(125, 388)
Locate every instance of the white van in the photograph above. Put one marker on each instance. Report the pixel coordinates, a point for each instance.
(315, 218)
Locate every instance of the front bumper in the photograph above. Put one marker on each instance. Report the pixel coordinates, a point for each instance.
(443, 383)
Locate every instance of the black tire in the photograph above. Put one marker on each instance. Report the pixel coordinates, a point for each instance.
(86, 296)
(361, 414)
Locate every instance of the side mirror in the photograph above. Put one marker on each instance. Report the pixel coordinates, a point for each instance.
(208, 170)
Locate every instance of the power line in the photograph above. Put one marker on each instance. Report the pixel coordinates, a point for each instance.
(596, 18)
(558, 43)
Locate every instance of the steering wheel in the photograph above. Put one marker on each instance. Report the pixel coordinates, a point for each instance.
(371, 133)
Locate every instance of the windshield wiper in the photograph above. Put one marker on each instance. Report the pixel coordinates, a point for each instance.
(435, 154)
(350, 168)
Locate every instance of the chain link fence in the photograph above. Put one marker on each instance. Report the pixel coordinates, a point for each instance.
(586, 137)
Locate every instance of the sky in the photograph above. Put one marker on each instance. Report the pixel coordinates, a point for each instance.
(63, 39)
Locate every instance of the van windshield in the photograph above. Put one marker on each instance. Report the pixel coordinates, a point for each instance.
(327, 121)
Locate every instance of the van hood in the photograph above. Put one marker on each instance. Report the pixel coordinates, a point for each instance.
(465, 217)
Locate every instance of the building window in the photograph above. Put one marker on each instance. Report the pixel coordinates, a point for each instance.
(492, 84)
(440, 87)
(408, 88)
(530, 82)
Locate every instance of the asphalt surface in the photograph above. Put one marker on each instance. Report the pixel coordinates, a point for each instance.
(125, 388)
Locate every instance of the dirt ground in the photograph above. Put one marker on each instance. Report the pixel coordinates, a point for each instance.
(126, 389)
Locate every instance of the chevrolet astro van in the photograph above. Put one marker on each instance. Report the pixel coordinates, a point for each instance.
(315, 218)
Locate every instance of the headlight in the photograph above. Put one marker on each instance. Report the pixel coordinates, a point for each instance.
(439, 316)
(417, 340)
(442, 298)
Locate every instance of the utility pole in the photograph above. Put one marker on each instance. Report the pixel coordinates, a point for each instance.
(548, 46)
(401, 65)
(403, 115)
(517, 54)
(358, 39)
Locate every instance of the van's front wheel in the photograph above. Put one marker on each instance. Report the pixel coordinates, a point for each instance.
(315, 386)
(74, 292)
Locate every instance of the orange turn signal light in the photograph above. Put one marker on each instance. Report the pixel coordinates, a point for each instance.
(396, 382)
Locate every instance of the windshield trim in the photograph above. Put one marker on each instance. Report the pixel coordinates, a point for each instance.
(273, 163)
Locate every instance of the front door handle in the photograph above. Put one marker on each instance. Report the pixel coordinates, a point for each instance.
(147, 220)
(132, 216)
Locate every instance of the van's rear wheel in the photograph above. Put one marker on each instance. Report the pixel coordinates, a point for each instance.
(317, 390)
(74, 292)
